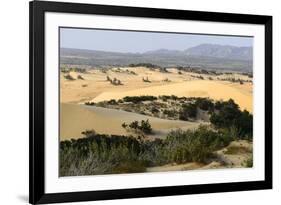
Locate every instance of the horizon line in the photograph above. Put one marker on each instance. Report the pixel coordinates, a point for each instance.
(156, 49)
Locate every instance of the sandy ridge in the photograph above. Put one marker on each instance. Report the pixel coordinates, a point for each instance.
(200, 88)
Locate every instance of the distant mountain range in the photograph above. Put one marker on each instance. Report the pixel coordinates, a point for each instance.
(220, 51)
(207, 56)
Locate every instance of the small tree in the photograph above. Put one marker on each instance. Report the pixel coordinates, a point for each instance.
(166, 80)
(124, 125)
(146, 80)
(154, 110)
(205, 104)
(89, 133)
(112, 102)
(134, 125)
(188, 111)
(80, 77)
(145, 127)
(69, 77)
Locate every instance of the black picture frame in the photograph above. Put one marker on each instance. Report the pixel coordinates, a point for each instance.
(37, 194)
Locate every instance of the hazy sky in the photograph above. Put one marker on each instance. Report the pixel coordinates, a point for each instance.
(131, 41)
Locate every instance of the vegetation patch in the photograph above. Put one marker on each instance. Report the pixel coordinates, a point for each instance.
(229, 115)
(68, 77)
(109, 154)
(223, 115)
(138, 99)
(248, 162)
(80, 77)
(142, 127)
(146, 80)
(237, 150)
(114, 81)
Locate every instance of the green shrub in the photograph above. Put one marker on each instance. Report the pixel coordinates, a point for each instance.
(112, 102)
(154, 110)
(138, 99)
(69, 77)
(104, 154)
(205, 104)
(188, 110)
(143, 128)
(148, 65)
(170, 97)
(249, 162)
(115, 81)
(169, 113)
(80, 77)
(89, 133)
(120, 101)
(90, 103)
(229, 115)
(99, 154)
(146, 80)
(245, 124)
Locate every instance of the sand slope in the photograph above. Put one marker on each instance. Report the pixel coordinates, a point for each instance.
(175, 167)
(77, 118)
(200, 88)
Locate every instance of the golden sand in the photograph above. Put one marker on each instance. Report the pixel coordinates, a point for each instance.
(95, 88)
(200, 88)
(77, 118)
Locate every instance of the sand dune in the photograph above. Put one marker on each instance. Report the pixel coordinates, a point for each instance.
(77, 118)
(200, 88)
(95, 86)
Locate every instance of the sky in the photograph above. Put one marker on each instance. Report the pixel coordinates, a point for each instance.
(139, 42)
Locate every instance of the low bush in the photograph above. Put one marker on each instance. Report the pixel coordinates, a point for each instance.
(196, 146)
(109, 154)
(154, 110)
(249, 163)
(229, 115)
(187, 111)
(205, 104)
(112, 102)
(146, 80)
(170, 113)
(80, 77)
(148, 65)
(90, 103)
(100, 154)
(69, 77)
(138, 99)
(143, 128)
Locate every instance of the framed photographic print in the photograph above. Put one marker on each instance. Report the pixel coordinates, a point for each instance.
(141, 102)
